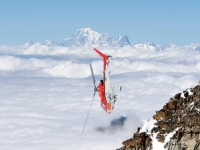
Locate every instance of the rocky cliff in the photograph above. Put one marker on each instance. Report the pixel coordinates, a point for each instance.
(174, 127)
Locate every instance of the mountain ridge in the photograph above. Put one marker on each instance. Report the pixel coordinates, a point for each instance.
(174, 127)
(88, 37)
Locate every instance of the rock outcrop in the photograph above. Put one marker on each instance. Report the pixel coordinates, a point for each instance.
(174, 127)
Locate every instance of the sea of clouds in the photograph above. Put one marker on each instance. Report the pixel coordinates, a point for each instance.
(46, 92)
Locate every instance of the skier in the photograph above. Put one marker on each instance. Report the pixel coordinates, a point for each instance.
(101, 90)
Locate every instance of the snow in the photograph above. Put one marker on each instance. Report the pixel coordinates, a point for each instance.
(160, 146)
(87, 37)
(189, 91)
(148, 126)
(157, 145)
(46, 91)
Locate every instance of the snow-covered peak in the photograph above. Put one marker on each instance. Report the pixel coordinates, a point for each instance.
(86, 32)
(87, 37)
(149, 46)
(51, 42)
(195, 46)
(29, 43)
(145, 46)
(155, 47)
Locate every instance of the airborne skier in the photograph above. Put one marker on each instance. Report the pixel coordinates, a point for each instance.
(108, 98)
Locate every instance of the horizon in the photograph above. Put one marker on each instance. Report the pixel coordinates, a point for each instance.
(136, 44)
(157, 22)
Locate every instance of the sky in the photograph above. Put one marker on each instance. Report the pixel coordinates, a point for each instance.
(46, 92)
(160, 22)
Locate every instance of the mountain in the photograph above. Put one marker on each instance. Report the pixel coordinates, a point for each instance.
(150, 46)
(193, 46)
(88, 37)
(174, 127)
(154, 47)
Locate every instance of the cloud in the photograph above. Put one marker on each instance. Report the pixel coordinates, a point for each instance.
(44, 67)
(45, 94)
(187, 81)
(74, 62)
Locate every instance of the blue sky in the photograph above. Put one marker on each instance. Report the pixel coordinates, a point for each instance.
(161, 22)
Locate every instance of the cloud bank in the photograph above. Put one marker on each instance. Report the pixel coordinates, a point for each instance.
(46, 91)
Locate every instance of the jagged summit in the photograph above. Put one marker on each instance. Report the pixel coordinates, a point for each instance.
(85, 32)
(174, 127)
(89, 37)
